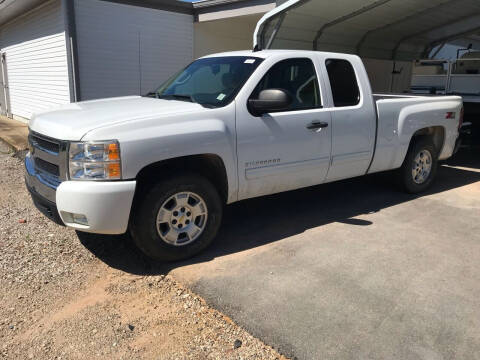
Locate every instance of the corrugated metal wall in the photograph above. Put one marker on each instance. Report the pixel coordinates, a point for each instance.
(224, 34)
(128, 50)
(36, 60)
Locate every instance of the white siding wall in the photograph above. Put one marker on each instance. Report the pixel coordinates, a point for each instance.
(128, 50)
(36, 60)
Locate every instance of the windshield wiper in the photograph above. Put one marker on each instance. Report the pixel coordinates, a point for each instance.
(177, 97)
(152, 94)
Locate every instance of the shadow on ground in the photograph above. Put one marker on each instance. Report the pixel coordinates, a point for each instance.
(256, 222)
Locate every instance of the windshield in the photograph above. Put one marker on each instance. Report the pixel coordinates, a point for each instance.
(213, 81)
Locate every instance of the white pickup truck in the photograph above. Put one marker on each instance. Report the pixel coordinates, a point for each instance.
(228, 127)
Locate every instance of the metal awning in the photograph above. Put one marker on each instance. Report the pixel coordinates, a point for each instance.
(381, 29)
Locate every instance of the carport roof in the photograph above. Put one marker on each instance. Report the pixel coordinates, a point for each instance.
(382, 29)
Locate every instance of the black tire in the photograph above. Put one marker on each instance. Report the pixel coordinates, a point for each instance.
(143, 227)
(405, 172)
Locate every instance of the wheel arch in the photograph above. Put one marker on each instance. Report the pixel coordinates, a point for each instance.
(434, 133)
(211, 166)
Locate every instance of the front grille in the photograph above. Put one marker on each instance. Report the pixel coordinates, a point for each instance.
(49, 159)
(46, 145)
(47, 167)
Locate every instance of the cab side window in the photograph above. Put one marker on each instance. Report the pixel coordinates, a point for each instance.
(343, 82)
(298, 78)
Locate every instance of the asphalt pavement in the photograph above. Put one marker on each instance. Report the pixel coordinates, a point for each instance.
(349, 270)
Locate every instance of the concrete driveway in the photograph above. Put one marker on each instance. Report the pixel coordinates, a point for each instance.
(349, 270)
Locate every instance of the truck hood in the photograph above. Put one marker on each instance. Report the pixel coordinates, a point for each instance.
(73, 121)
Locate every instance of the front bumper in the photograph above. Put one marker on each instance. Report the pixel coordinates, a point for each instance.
(105, 204)
(45, 206)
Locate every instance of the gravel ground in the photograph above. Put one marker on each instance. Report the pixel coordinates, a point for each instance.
(59, 301)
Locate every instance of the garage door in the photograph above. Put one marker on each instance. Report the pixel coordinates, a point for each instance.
(129, 50)
(35, 53)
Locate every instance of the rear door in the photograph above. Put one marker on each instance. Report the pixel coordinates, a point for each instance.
(353, 118)
(284, 150)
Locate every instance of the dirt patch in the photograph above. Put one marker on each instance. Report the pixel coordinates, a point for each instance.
(59, 301)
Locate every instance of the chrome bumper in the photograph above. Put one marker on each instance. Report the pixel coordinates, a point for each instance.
(36, 183)
(43, 196)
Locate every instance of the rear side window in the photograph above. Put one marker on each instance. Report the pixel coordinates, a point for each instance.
(298, 78)
(343, 82)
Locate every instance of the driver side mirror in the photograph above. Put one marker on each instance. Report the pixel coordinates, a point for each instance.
(270, 100)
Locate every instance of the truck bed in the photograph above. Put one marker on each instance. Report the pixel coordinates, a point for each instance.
(377, 97)
(397, 114)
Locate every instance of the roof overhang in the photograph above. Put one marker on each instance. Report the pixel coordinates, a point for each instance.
(204, 10)
(207, 10)
(382, 29)
(166, 5)
(10, 9)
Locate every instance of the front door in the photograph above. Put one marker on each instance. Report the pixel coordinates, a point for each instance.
(4, 95)
(284, 150)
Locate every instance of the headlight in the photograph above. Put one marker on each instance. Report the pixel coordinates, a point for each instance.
(99, 160)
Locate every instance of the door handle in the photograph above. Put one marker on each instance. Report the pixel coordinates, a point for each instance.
(314, 125)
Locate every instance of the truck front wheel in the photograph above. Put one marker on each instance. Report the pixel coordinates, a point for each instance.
(177, 218)
(420, 165)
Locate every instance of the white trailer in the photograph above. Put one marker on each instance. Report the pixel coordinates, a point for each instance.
(459, 77)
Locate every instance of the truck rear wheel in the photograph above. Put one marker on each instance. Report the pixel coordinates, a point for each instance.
(177, 218)
(420, 166)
